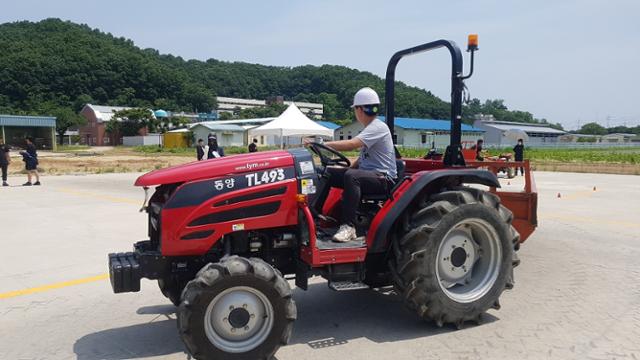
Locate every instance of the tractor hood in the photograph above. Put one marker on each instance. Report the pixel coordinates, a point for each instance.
(218, 167)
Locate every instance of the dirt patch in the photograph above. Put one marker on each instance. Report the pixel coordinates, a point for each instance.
(124, 160)
(101, 164)
(596, 168)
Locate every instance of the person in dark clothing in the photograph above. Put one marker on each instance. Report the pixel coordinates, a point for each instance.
(5, 160)
(30, 158)
(215, 151)
(479, 154)
(519, 154)
(253, 147)
(200, 149)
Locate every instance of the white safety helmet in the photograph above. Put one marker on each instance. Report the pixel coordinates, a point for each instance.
(366, 96)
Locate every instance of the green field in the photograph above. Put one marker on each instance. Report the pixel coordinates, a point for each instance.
(611, 155)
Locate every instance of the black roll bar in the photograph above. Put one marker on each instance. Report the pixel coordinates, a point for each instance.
(453, 155)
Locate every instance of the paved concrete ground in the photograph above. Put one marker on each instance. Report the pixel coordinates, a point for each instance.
(577, 294)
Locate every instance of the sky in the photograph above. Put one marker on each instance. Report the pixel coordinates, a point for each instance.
(572, 62)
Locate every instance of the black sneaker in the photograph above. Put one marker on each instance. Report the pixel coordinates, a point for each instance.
(27, 184)
(37, 183)
(4, 183)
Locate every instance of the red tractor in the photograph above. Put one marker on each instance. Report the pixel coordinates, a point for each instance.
(226, 233)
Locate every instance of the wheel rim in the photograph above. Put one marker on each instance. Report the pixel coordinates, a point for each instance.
(469, 259)
(238, 319)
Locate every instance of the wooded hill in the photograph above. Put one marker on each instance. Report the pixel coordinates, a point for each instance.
(53, 64)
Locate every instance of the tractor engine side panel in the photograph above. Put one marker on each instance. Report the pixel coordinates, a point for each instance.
(200, 213)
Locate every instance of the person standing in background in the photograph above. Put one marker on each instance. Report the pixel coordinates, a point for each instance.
(30, 158)
(215, 151)
(200, 149)
(519, 154)
(5, 160)
(479, 153)
(253, 147)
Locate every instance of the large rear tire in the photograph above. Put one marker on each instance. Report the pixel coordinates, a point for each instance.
(236, 309)
(455, 255)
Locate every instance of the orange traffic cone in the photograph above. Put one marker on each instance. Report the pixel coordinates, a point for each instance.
(559, 196)
(594, 188)
(509, 183)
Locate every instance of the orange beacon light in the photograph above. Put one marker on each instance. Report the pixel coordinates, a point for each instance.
(472, 44)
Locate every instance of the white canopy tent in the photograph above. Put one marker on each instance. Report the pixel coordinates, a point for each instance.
(515, 135)
(292, 122)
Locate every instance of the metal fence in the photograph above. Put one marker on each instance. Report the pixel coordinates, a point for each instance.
(561, 145)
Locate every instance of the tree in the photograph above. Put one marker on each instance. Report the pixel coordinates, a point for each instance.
(225, 115)
(557, 126)
(272, 110)
(81, 101)
(592, 128)
(175, 122)
(68, 65)
(113, 127)
(128, 122)
(198, 99)
(65, 119)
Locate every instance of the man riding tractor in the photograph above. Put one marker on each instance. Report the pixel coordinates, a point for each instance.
(375, 170)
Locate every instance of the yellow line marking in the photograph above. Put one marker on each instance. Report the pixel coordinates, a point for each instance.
(54, 286)
(115, 199)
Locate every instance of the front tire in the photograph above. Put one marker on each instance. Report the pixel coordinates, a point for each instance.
(455, 255)
(236, 309)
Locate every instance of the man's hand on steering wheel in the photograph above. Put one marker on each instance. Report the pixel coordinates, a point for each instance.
(319, 149)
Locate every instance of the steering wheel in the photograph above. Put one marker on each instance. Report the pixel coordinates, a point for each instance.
(320, 149)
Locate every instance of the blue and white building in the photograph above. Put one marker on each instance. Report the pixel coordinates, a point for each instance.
(497, 132)
(419, 133)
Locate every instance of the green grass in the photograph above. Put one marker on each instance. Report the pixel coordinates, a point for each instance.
(154, 149)
(612, 155)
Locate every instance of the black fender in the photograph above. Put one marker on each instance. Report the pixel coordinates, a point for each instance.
(426, 181)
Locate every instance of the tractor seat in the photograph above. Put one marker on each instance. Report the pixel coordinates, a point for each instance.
(400, 166)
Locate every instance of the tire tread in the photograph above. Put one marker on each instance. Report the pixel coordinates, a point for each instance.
(411, 282)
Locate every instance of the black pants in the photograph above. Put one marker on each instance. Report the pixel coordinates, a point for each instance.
(355, 183)
(521, 169)
(4, 172)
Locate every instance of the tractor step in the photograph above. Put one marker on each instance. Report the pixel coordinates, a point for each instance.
(347, 285)
(327, 243)
(324, 240)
